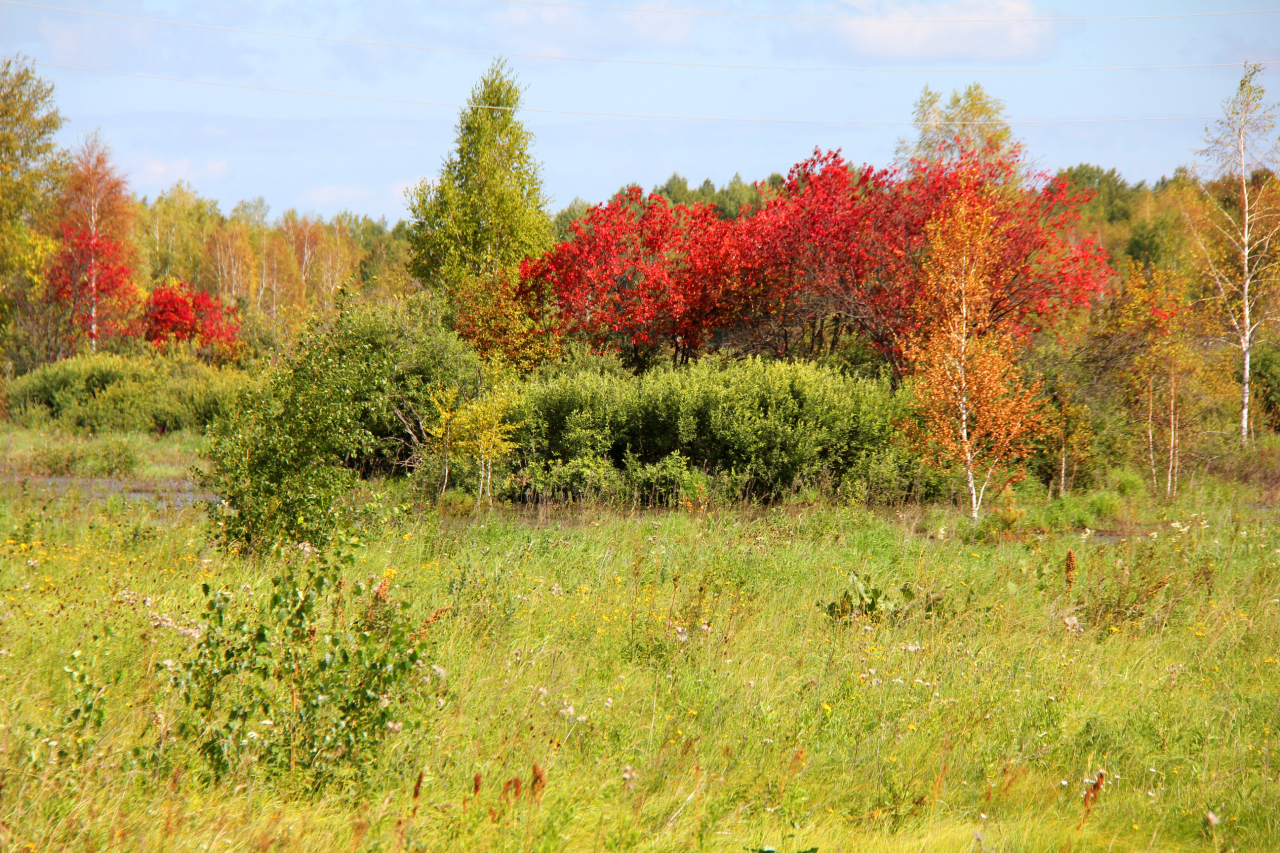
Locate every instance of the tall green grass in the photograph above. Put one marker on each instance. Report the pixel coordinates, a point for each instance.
(681, 682)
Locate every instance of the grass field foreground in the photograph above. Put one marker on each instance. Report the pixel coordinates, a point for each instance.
(794, 678)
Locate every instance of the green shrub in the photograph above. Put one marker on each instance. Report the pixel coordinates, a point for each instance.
(283, 463)
(57, 460)
(767, 427)
(1127, 482)
(1104, 505)
(317, 664)
(1265, 365)
(104, 392)
(111, 457)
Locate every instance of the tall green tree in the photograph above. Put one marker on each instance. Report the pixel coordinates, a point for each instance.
(971, 120)
(487, 212)
(1237, 229)
(31, 164)
(570, 214)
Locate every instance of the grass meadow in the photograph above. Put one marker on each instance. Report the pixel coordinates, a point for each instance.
(788, 678)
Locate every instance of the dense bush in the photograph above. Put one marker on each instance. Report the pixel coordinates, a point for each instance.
(755, 428)
(112, 393)
(284, 462)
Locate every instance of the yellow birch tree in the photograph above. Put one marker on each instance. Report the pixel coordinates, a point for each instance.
(973, 410)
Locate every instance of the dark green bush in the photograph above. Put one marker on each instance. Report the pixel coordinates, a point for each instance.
(104, 392)
(283, 463)
(760, 428)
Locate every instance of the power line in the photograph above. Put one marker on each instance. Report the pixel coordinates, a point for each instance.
(613, 61)
(897, 20)
(726, 119)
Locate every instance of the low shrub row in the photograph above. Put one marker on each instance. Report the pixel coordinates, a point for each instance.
(97, 393)
(743, 429)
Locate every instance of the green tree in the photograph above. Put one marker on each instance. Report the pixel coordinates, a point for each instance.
(31, 164)
(1237, 229)
(970, 119)
(487, 212)
(172, 232)
(728, 200)
(571, 213)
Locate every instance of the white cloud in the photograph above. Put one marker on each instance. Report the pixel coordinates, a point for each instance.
(917, 34)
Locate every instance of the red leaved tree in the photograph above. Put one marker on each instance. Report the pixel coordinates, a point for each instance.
(94, 210)
(639, 272)
(90, 286)
(169, 314)
(835, 249)
(173, 312)
(851, 243)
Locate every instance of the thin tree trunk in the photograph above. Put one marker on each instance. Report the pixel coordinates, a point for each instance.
(1244, 384)
(1062, 474)
(93, 299)
(1173, 435)
(1246, 330)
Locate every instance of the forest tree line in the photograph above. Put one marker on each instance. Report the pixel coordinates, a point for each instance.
(1101, 323)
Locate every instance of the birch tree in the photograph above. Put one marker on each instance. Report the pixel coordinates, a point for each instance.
(973, 411)
(1235, 229)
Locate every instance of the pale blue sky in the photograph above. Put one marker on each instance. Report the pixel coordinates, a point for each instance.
(325, 154)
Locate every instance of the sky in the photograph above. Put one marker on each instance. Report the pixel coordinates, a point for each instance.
(617, 91)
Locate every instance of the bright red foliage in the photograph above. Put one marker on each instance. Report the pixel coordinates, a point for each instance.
(174, 312)
(170, 315)
(640, 271)
(852, 243)
(91, 280)
(834, 242)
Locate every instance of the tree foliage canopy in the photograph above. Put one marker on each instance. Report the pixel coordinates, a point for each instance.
(487, 211)
(971, 120)
(31, 164)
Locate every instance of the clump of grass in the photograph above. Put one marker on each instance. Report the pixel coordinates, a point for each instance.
(57, 459)
(111, 457)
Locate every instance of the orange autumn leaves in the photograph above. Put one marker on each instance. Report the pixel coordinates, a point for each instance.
(973, 412)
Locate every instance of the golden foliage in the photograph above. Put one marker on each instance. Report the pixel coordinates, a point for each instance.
(504, 325)
(973, 410)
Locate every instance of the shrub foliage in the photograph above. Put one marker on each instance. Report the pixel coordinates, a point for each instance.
(104, 392)
(754, 427)
(284, 465)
